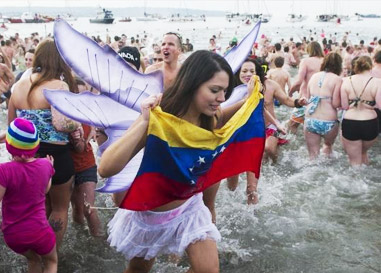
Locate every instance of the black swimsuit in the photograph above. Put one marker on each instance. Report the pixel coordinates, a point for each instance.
(360, 129)
(358, 98)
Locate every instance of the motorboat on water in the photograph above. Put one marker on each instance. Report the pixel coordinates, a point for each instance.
(332, 18)
(368, 15)
(104, 16)
(27, 17)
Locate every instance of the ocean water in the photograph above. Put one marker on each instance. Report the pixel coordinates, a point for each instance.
(313, 216)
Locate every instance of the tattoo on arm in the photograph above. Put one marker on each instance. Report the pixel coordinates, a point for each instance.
(56, 224)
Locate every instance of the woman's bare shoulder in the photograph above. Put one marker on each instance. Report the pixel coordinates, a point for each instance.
(56, 84)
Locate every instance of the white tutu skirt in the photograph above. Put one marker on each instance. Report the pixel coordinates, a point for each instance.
(148, 234)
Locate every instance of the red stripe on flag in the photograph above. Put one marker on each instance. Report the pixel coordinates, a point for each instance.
(152, 190)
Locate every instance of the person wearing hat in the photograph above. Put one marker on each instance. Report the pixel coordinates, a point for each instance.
(131, 55)
(232, 44)
(23, 184)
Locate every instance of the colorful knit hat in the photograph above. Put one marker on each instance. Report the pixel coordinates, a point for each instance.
(22, 138)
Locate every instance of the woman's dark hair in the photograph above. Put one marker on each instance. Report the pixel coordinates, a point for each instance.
(197, 69)
(49, 64)
(258, 71)
(332, 62)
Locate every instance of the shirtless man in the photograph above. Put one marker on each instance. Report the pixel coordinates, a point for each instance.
(376, 71)
(278, 74)
(307, 68)
(378, 47)
(278, 53)
(171, 48)
(297, 52)
(9, 51)
(273, 90)
(347, 62)
(6, 81)
(6, 78)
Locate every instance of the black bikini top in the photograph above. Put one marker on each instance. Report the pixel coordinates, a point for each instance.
(358, 99)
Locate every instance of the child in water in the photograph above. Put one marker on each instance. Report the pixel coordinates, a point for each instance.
(23, 184)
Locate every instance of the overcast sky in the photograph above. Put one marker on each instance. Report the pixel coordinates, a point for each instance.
(272, 6)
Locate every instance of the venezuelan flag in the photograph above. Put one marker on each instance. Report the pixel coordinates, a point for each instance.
(181, 159)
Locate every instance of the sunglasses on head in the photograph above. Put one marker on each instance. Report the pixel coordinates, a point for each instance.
(157, 59)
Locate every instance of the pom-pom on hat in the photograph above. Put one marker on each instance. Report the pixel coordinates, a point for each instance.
(22, 138)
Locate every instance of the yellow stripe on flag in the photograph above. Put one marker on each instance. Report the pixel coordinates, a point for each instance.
(183, 134)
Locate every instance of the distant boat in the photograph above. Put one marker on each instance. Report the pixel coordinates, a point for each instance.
(26, 17)
(368, 15)
(15, 20)
(326, 17)
(186, 18)
(125, 19)
(103, 17)
(264, 18)
(332, 18)
(295, 18)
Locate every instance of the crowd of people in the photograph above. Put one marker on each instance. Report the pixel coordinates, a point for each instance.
(337, 91)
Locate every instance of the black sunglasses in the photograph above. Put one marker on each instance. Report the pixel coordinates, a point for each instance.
(158, 59)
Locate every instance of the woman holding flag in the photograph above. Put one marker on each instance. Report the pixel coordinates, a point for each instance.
(184, 154)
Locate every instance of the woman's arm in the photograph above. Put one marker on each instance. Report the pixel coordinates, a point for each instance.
(118, 154)
(301, 76)
(271, 119)
(11, 110)
(344, 98)
(378, 95)
(336, 98)
(62, 123)
(284, 99)
(7, 62)
(308, 94)
(6, 78)
(51, 160)
(77, 140)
